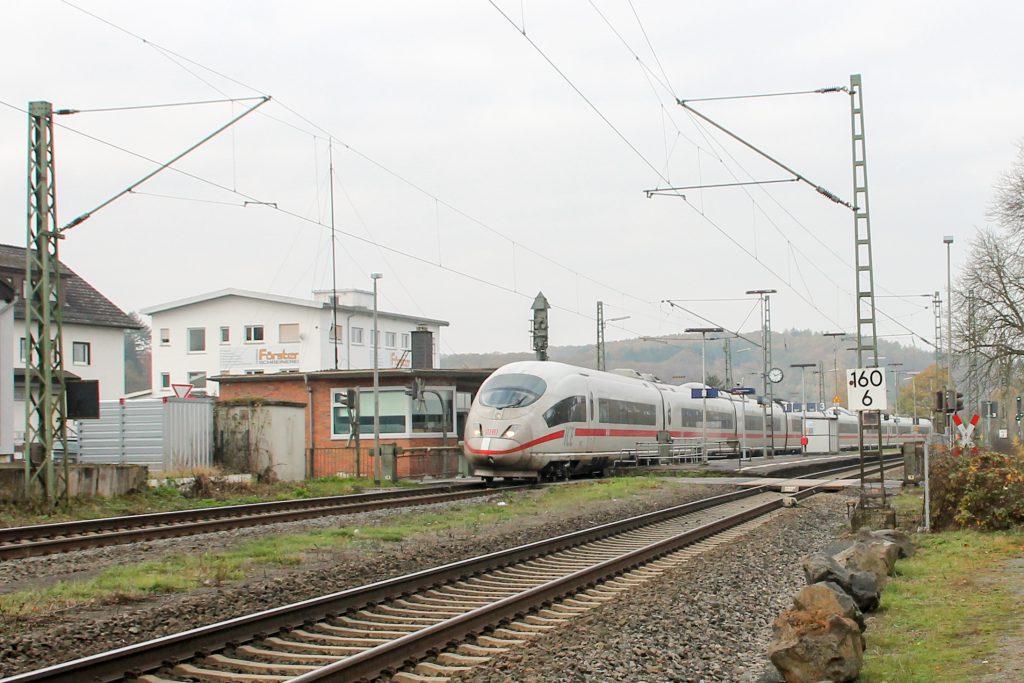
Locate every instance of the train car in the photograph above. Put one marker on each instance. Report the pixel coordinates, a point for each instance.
(535, 419)
(544, 419)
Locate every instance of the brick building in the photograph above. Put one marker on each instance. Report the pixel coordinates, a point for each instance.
(432, 419)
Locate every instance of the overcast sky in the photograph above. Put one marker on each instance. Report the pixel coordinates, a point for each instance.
(475, 165)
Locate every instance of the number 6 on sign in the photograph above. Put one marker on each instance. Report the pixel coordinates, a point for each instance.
(865, 389)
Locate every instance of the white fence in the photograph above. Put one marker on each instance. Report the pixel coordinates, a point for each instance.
(165, 435)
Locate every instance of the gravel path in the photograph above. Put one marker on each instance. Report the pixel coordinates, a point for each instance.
(54, 638)
(707, 620)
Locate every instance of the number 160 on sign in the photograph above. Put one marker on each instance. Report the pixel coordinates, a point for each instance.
(865, 389)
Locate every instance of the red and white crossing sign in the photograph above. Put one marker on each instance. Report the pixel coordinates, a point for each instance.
(966, 431)
(182, 390)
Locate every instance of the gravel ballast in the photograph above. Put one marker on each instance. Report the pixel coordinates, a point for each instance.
(53, 638)
(706, 620)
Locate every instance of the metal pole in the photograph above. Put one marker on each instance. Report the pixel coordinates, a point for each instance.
(334, 263)
(948, 241)
(378, 465)
(803, 395)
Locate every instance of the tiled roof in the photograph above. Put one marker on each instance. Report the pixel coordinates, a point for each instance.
(83, 305)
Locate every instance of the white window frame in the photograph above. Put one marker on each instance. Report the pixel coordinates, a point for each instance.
(225, 334)
(165, 380)
(188, 340)
(336, 334)
(390, 339)
(23, 349)
(356, 334)
(75, 346)
(194, 375)
(250, 334)
(165, 336)
(406, 341)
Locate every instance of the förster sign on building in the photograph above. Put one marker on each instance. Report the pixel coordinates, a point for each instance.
(262, 356)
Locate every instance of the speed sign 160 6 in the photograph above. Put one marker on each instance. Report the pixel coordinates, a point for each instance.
(865, 389)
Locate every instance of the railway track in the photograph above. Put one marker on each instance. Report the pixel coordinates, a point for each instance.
(47, 539)
(458, 615)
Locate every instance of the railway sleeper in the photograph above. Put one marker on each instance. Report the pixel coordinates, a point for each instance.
(277, 655)
(214, 676)
(258, 667)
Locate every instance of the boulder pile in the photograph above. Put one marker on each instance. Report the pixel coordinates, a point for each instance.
(821, 637)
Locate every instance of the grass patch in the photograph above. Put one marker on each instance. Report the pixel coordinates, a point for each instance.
(945, 612)
(168, 498)
(183, 572)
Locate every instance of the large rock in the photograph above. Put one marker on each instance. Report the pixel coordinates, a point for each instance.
(860, 585)
(811, 646)
(901, 539)
(828, 598)
(875, 556)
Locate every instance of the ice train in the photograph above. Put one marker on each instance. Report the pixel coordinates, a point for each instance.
(542, 419)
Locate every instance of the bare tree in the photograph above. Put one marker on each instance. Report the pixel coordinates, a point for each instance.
(989, 298)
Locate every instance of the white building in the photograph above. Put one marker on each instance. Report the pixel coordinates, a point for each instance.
(239, 332)
(7, 299)
(93, 334)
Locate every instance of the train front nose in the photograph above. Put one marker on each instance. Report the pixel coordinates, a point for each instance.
(496, 444)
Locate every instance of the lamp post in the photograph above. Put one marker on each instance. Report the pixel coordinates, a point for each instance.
(912, 376)
(704, 383)
(378, 465)
(948, 241)
(766, 360)
(803, 397)
(896, 383)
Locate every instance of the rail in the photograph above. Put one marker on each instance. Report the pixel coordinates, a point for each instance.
(152, 655)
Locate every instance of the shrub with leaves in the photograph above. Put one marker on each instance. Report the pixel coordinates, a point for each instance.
(984, 490)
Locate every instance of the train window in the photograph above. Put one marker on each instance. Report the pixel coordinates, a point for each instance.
(513, 390)
(626, 412)
(571, 409)
(720, 419)
(755, 423)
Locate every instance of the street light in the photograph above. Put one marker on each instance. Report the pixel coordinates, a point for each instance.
(912, 376)
(704, 382)
(378, 469)
(896, 384)
(948, 241)
(803, 397)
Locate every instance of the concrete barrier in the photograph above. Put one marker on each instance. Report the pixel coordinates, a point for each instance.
(84, 480)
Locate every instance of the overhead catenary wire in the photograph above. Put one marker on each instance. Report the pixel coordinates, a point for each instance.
(350, 148)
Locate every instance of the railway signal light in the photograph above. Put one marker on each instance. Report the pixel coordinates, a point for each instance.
(940, 402)
(954, 401)
(958, 402)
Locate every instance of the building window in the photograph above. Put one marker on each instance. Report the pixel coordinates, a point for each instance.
(165, 380)
(165, 336)
(393, 408)
(433, 412)
(225, 335)
(389, 340)
(336, 335)
(23, 349)
(254, 372)
(197, 378)
(357, 335)
(405, 340)
(254, 333)
(81, 353)
(288, 333)
(196, 339)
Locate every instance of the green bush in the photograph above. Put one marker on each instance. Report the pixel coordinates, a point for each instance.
(983, 490)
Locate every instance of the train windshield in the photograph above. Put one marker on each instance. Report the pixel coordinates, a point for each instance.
(511, 391)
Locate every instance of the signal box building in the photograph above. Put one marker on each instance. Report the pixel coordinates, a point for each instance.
(421, 410)
(234, 332)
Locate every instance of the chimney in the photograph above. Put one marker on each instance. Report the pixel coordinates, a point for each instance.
(422, 348)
